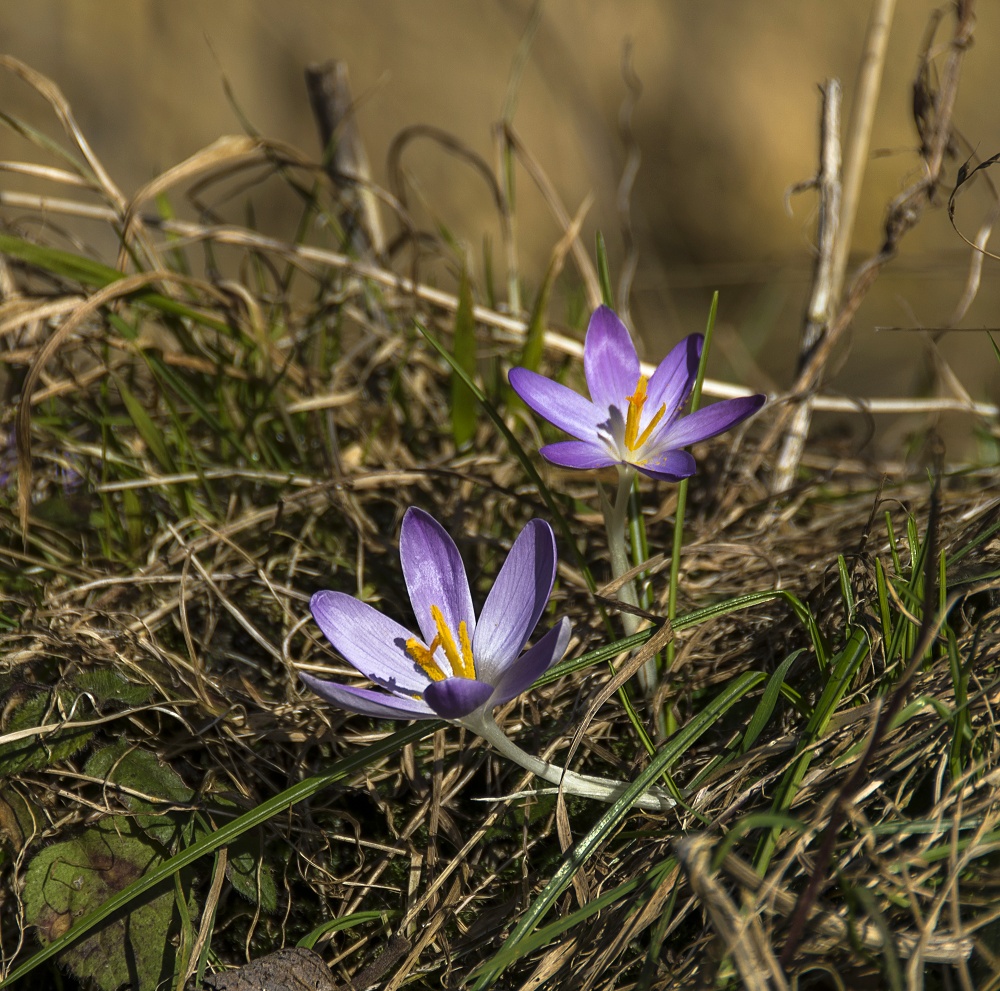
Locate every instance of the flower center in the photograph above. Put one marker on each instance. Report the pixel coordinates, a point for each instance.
(633, 439)
(459, 655)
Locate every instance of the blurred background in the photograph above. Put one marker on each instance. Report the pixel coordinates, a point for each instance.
(726, 122)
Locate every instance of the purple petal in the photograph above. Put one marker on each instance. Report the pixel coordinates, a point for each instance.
(669, 466)
(434, 573)
(609, 360)
(674, 378)
(373, 643)
(533, 663)
(516, 601)
(379, 705)
(582, 454)
(563, 407)
(711, 420)
(457, 697)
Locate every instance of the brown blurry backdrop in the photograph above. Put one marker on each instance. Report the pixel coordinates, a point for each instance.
(727, 121)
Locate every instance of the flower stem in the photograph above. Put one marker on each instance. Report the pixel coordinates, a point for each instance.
(601, 789)
(615, 523)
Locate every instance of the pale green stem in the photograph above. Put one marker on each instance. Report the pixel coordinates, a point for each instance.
(616, 525)
(601, 789)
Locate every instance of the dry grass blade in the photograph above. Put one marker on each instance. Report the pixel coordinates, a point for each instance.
(204, 461)
(740, 932)
(570, 227)
(51, 92)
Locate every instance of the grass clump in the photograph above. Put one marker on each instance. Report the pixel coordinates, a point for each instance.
(221, 423)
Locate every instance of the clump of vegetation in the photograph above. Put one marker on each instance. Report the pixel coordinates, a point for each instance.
(203, 431)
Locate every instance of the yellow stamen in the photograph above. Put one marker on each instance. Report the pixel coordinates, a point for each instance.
(461, 661)
(468, 662)
(635, 404)
(424, 658)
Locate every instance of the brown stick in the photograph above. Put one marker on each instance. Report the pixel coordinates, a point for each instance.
(904, 213)
(346, 161)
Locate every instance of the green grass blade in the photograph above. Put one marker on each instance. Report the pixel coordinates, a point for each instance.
(883, 606)
(846, 592)
(682, 489)
(512, 949)
(148, 430)
(345, 922)
(604, 272)
(843, 667)
(613, 648)
(88, 272)
(767, 703)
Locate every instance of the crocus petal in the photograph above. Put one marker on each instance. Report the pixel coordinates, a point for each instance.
(516, 601)
(561, 406)
(457, 697)
(578, 454)
(373, 643)
(711, 420)
(379, 705)
(434, 573)
(533, 663)
(670, 466)
(609, 360)
(674, 378)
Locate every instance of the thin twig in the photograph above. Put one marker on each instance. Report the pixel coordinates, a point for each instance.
(824, 293)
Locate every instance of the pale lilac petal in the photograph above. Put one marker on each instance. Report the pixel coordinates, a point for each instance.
(379, 705)
(434, 574)
(670, 466)
(373, 643)
(533, 663)
(674, 378)
(457, 697)
(561, 406)
(609, 360)
(516, 601)
(581, 454)
(710, 420)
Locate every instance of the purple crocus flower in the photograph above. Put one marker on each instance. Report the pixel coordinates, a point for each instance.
(458, 667)
(629, 419)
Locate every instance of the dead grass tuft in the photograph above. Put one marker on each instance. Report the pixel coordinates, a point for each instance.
(206, 441)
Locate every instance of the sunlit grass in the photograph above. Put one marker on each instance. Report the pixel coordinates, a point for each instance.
(244, 424)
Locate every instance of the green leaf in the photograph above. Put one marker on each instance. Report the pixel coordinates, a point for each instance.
(534, 336)
(69, 879)
(140, 773)
(107, 685)
(250, 876)
(463, 401)
(33, 752)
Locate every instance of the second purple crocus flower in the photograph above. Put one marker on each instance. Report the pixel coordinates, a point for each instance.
(459, 666)
(629, 419)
